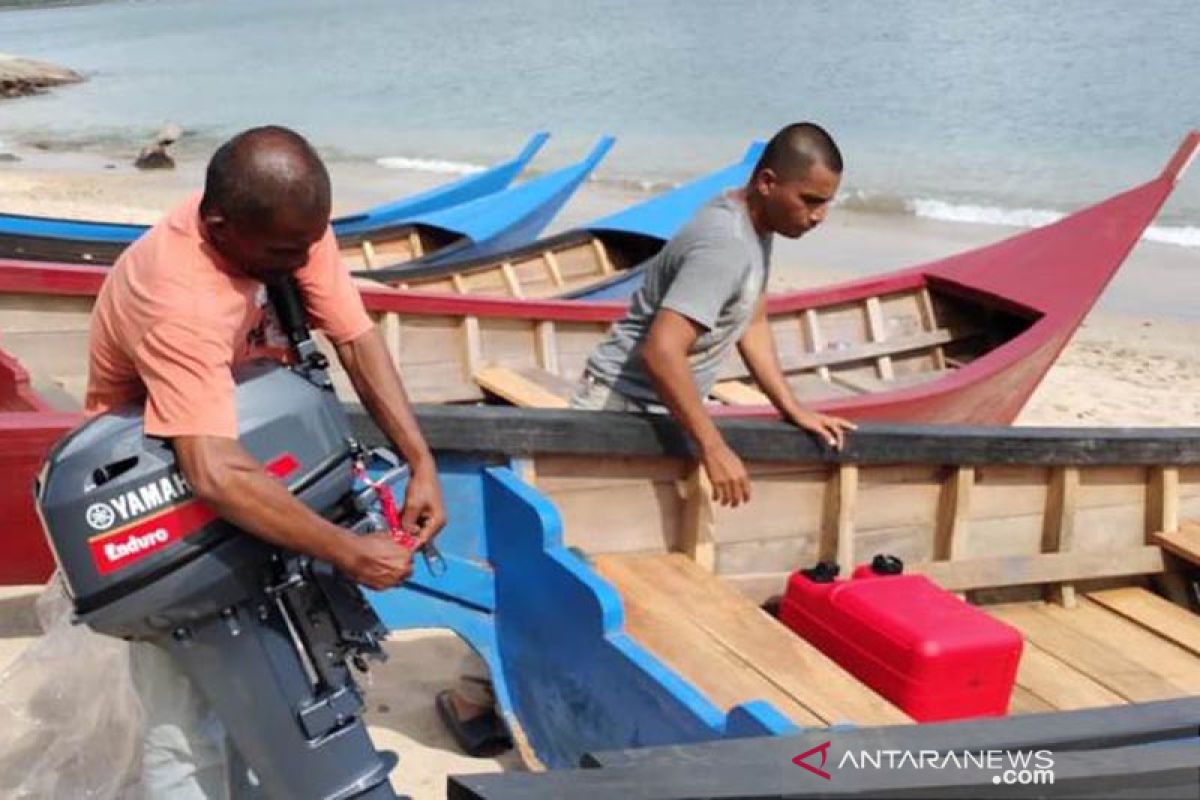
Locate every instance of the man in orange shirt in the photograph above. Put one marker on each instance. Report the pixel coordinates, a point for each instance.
(181, 307)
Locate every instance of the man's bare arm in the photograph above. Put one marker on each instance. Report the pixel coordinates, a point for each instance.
(229, 480)
(664, 353)
(757, 347)
(378, 385)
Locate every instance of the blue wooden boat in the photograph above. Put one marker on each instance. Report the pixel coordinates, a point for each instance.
(618, 609)
(575, 263)
(66, 240)
(489, 224)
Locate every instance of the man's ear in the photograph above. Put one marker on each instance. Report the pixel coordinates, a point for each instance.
(214, 220)
(765, 180)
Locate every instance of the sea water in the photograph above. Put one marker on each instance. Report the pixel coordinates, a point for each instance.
(1011, 112)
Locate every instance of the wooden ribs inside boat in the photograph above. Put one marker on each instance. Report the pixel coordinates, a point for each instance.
(391, 246)
(861, 346)
(557, 266)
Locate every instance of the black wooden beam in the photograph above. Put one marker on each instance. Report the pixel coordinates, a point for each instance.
(1087, 729)
(1166, 769)
(524, 432)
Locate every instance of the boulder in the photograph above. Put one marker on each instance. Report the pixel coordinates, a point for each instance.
(22, 76)
(155, 155)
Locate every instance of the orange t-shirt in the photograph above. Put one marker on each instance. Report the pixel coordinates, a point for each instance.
(173, 317)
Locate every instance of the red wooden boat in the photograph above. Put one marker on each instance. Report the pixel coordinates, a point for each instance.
(962, 340)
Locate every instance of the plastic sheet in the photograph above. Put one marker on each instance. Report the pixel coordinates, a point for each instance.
(70, 720)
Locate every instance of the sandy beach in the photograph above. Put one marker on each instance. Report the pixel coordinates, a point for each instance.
(1133, 362)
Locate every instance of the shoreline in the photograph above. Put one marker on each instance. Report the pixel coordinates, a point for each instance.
(1130, 363)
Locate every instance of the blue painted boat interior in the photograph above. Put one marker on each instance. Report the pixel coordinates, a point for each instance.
(550, 629)
(467, 188)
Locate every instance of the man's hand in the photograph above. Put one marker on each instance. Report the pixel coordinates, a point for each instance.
(375, 561)
(727, 473)
(424, 513)
(830, 430)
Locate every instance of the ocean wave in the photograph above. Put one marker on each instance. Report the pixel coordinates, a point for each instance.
(429, 165)
(980, 214)
(987, 215)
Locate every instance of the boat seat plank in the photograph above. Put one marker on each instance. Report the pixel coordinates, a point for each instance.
(1155, 613)
(736, 393)
(693, 599)
(1184, 543)
(978, 573)
(869, 351)
(529, 387)
(1097, 658)
(869, 384)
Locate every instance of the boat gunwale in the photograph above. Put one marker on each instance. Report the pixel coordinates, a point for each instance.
(508, 431)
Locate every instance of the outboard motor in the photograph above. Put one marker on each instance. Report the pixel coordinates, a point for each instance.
(268, 636)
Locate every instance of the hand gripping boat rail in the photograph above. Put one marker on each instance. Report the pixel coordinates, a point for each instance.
(269, 636)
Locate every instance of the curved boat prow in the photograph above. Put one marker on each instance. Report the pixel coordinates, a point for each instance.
(665, 214)
(1179, 163)
(470, 187)
(512, 217)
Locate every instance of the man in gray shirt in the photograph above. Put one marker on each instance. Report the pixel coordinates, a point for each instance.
(705, 292)
(702, 294)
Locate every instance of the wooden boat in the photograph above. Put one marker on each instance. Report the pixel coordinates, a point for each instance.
(96, 242)
(576, 260)
(962, 340)
(618, 608)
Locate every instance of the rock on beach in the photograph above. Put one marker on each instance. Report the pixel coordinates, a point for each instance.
(23, 76)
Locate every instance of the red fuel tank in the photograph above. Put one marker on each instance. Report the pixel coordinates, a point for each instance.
(931, 654)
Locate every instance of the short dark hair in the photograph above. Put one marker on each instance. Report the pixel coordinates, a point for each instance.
(796, 147)
(262, 170)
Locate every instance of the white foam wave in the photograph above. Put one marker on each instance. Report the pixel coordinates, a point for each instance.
(987, 215)
(1185, 236)
(429, 165)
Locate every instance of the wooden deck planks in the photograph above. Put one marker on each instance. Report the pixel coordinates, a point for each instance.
(1024, 701)
(721, 674)
(785, 664)
(1155, 613)
(1062, 634)
(1058, 685)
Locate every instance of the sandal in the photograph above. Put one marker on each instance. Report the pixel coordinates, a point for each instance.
(481, 736)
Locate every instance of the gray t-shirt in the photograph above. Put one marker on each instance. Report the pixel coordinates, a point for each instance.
(712, 272)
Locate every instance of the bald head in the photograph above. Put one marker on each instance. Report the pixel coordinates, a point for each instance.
(793, 150)
(262, 173)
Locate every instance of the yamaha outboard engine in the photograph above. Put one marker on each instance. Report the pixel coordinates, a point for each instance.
(268, 636)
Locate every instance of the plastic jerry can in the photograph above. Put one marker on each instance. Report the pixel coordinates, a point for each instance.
(931, 654)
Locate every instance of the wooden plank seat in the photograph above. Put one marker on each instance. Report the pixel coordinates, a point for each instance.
(529, 387)
(729, 648)
(1184, 543)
